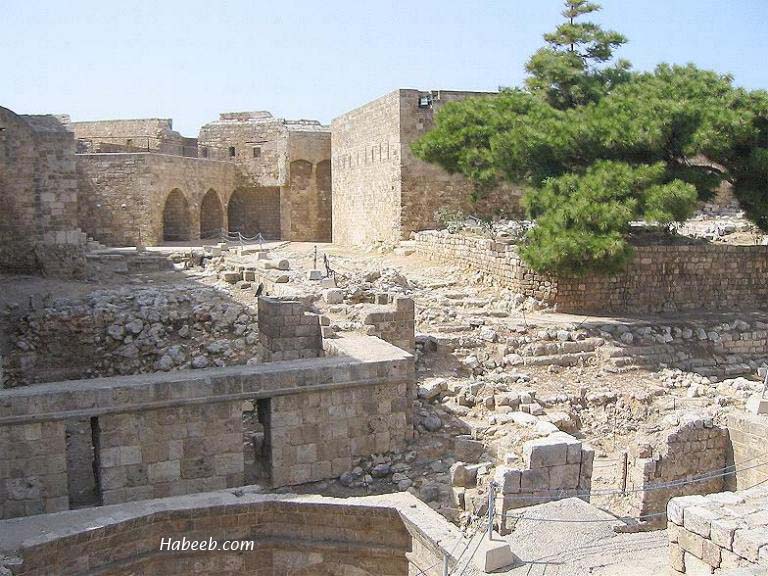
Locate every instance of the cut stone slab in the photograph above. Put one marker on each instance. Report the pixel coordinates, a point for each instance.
(493, 554)
(543, 452)
(315, 275)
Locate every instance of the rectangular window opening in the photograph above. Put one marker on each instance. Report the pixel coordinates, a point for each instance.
(257, 434)
(82, 454)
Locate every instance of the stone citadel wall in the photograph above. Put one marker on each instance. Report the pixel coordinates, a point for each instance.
(134, 135)
(658, 278)
(366, 149)
(381, 191)
(38, 197)
(123, 196)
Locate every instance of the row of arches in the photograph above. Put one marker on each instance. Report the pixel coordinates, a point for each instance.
(243, 215)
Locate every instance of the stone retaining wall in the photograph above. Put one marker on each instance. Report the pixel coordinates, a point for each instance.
(178, 432)
(291, 536)
(658, 279)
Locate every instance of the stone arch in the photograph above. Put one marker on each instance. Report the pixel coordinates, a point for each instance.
(301, 174)
(211, 215)
(176, 219)
(323, 176)
(330, 569)
(253, 211)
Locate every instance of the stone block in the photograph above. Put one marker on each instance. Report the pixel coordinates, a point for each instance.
(676, 558)
(544, 452)
(695, 566)
(535, 479)
(698, 519)
(757, 404)
(493, 554)
(691, 543)
(166, 471)
(711, 553)
(507, 480)
(468, 450)
(565, 477)
(748, 541)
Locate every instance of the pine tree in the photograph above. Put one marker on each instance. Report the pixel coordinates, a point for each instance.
(570, 70)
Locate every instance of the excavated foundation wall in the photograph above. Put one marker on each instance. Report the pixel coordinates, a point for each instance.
(658, 279)
(129, 331)
(393, 535)
(182, 432)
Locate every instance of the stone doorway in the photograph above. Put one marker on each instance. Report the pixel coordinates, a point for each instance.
(211, 216)
(176, 221)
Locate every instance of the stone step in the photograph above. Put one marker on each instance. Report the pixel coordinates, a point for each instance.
(559, 359)
(557, 348)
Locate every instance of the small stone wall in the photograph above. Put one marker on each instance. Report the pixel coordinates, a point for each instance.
(288, 331)
(557, 466)
(398, 326)
(686, 455)
(718, 533)
(747, 450)
(658, 279)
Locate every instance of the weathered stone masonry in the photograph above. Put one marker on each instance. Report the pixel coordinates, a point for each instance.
(123, 197)
(38, 197)
(393, 535)
(658, 279)
(381, 191)
(173, 433)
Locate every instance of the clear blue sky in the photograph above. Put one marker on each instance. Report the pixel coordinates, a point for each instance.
(191, 59)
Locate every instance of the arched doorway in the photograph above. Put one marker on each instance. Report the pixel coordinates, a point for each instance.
(253, 211)
(211, 215)
(176, 224)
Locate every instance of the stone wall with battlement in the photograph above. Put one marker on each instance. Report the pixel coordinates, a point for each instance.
(657, 279)
(39, 197)
(381, 191)
(133, 135)
(291, 535)
(180, 432)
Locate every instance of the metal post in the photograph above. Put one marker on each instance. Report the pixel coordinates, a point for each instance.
(314, 265)
(491, 508)
(445, 563)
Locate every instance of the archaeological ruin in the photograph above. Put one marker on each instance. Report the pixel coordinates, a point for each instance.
(264, 350)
